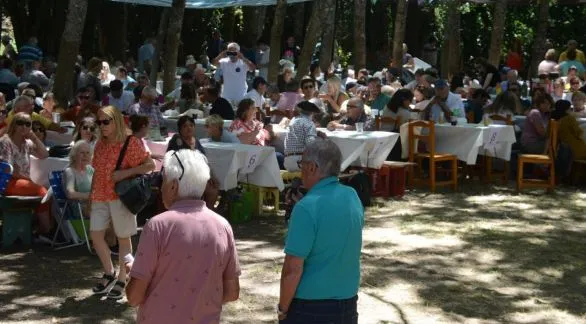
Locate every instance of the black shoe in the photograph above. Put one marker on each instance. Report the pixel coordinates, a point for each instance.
(100, 288)
(115, 249)
(117, 292)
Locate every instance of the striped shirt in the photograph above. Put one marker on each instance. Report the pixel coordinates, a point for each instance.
(151, 111)
(301, 132)
(30, 53)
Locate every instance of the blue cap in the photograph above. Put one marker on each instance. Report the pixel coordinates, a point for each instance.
(505, 69)
(440, 84)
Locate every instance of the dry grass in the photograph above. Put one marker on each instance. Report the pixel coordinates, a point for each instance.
(486, 255)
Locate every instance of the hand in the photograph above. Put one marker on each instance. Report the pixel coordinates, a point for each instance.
(223, 53)
(282, 317)
(240, 56)
(128, 267)
(117, 176)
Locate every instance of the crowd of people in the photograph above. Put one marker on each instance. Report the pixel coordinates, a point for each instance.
(118, 107)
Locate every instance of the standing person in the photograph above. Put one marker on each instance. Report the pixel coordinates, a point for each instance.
(187, 265)
(263, 53)
(291, 51)
(573, 46)
(145, 53)
(30, 51)
(234, 69)
(302, 131)
(489, 74)
(321, 272)
(106, 206)
(215, 45)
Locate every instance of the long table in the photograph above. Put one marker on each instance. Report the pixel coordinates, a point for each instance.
(233, 163)
(468, 140)
(200, 129)
(366, 149)
(520, 121)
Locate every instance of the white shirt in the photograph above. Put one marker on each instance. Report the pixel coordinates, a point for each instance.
(262, 57)
(122, 103)
(454, 103)
(234, 74)
(259, 100)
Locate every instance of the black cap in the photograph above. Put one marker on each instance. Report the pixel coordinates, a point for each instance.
(308, 106)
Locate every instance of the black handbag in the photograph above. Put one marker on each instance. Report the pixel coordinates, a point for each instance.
(134, 192)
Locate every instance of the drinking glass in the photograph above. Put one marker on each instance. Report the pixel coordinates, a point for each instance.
(360, 127)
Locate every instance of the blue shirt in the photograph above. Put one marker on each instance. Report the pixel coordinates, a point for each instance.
(30, 53)
(380, 102)
(326, 231)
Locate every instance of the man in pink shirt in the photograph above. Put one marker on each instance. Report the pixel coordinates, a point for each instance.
(186, 263)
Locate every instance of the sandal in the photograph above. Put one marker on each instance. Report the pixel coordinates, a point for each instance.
(117, 293)
(100, 288)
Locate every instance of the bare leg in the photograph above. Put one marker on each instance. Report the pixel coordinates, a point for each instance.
(103, 251)
(125, 248)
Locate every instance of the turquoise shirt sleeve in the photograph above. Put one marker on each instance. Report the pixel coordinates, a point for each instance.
(301, 233)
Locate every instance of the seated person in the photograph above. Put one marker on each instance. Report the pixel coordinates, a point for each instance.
(505, 104)
(220, 106)
(302, 131)
(444, 103)
(476, 105)
(139, 127)
(398, 107)
(79, 173)
(185, 139)
(41, 133)
(25, 105)
(578, 101)
(16, 147)
(86, 130)
(286, 82)
(355, 114)
(525, 103)
(259, 87)
(189, 101)
(82, 107)
(118, 97)
(569, 131)
(247, 128)
(147, 107)
(215, 128)
(534, 134)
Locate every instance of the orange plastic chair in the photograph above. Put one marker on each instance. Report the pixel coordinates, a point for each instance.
(379, 121)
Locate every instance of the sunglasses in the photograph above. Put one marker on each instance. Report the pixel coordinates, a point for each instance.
(104, 122)
(91, 128)
(84, 97)
(308, 87)
(23, 123)
(180, 164)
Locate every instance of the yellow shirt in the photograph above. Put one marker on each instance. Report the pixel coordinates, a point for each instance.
(579, 56)
(35, 117)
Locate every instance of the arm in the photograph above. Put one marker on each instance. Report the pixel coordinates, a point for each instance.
(251, 66)
(39, 149)
(487, 80)
(231, 290)
(147, 165)
(136, 290)
(70, 187)
(445, 109)
(230, 275)
(290, 278)
(216, 60)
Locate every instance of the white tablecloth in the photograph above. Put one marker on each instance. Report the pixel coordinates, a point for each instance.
(467, 141)
(60, 139)
(237, 162)
(520, 121)
(200, 129)
(40, 169)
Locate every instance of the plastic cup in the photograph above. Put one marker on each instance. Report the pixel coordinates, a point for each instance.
(360, 127)
(56, 117)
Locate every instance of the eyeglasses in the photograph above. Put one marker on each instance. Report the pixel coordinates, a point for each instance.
(104, 122)
(300, 163)
(91, 128)
(23, 123)
(180, 164)
(308, 86)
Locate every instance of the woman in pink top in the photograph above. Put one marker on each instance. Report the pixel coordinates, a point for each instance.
(246, 127)
(186, 262)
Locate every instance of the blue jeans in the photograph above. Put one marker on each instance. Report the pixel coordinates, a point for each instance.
(328, 311)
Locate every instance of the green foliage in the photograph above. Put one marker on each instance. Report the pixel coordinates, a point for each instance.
(344, 57)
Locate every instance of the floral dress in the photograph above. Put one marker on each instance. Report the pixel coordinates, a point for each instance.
(239, 127)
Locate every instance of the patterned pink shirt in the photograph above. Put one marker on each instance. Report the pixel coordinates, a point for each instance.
(185, 254)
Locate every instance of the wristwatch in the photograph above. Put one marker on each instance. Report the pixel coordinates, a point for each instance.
(280, 312)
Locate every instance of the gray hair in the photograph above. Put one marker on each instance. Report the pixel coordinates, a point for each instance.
(326, 155)
(196, 172)
(150, 91)
(75, 150)
(235, 45)
(21, 100)
(514, 72)
(356, 101)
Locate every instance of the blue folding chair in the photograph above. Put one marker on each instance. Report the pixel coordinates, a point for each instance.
(17, 211)
(67, 210)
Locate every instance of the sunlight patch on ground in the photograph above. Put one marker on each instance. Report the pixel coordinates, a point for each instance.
(407, 242)
(543, 314)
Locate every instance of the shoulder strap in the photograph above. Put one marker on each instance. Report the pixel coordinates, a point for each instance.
(122, 152)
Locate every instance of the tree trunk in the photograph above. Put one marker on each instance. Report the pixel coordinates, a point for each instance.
(451, 50)
(498, 32)
(70, 42)
(540, 36)
(298, 13)
(172, 45)
(316, 22)
(327, 40)
(253, 19)
(359, 34)
(229, 19)
(276, 35)
(399, 36)
(163, 24)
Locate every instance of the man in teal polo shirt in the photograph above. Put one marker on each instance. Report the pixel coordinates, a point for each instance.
(321, 273)
(376, 99)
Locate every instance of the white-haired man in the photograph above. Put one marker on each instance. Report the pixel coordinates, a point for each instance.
(186, 263)
(234, 67)
(146, 107)
(321, 272)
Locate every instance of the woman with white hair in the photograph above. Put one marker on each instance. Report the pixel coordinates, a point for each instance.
(186, 264)
(105, 75)
(334, 97)
(78, 175)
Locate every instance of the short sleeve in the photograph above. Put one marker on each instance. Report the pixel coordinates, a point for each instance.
(44, 121)
(135, 153)
(232, 270)
(147, 254)
(301, 233)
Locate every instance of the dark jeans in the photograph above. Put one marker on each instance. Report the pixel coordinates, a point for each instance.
(280, 160)
(328, 311)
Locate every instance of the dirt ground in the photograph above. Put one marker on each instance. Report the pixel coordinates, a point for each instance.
(484, 255)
